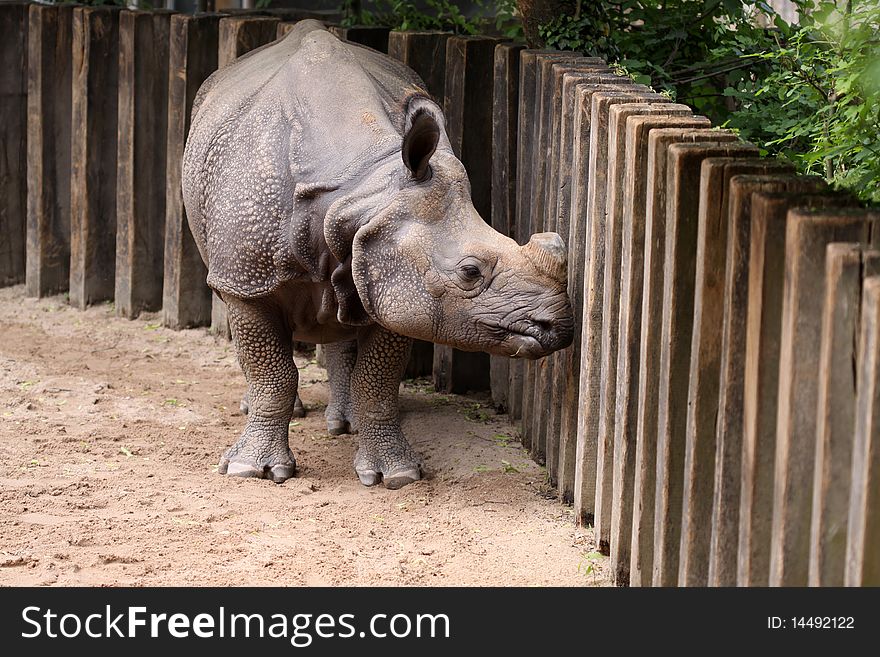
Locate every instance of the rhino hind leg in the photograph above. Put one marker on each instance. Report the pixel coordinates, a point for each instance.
(340, 358)
(384, 454)
(264, 347)
(299, 410)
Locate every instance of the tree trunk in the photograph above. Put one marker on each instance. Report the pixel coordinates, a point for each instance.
(534, 13)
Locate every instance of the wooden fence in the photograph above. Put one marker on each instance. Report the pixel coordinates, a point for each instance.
(717, 419)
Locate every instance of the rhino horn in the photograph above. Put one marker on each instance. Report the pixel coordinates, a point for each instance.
(546, 251)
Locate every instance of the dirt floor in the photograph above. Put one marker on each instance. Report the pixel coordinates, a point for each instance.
(110, 432)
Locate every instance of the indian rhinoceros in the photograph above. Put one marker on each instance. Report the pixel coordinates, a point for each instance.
(328, 206)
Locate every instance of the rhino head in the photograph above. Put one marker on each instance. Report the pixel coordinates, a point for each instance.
(426, 265)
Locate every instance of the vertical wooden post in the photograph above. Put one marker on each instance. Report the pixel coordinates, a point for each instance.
(13, 141)
(590, 490)
(682, 212)
(469, 68)
(576, 168)
(521, 402)
(562, 373)
(547, 408)
(284, 29)
(193, 48)
(425, 53)
(141, 160)
(647, 355)
(626, 213)
(505, 102)
(374, 37)
(547, 427)
(534, 208)
(238, 35)
(48, 149)
(761, 382)
(863, 527)
(807, 234)
(527, 121)
(705, 360)
(93, 154)
(728, 451)
(608, 281)
(241, 34)
(577, 91)
(846, 268)
(642, 186)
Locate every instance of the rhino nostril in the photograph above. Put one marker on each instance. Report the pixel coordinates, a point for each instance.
(543, 325)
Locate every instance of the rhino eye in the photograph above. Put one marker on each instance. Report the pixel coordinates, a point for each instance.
(471, 272)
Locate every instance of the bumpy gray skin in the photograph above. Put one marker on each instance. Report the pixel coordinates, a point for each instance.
(326, 202)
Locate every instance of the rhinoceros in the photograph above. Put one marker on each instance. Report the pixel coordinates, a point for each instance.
(325, 199)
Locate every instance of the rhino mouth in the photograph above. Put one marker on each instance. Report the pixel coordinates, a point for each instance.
(526, 346)
(534, 340)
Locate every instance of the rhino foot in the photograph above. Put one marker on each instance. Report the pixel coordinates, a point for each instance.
(278, 472)
(395, 468)
(339, 427)
(262, 452)
(298, 409)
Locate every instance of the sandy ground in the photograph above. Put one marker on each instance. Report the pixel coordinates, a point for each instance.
(110, 432)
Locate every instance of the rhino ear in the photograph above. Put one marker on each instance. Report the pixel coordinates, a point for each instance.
(419, 144)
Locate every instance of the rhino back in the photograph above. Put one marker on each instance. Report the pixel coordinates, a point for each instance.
(274, 137)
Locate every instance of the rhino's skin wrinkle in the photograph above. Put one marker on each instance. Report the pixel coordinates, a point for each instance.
(326, 202)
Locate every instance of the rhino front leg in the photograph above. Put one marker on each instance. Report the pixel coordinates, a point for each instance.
(384, 453)
(265, 351)
(340, 358)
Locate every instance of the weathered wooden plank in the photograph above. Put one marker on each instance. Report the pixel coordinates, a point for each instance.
(505, 103)
(425, 53)
(238, 35)
(563, 372)
(193, 49)
(241, 34)
(863, 526)
(808, 232)
(761, 382)
(284, 28)
(626, 207)
(521, 216)
(728, 452)
(536, 372)
(13, 141)
(572, 212)
(846, 268)
(591, 493)
(646, 358)
(547, 429)
(608, 326)
(142, 136)
(679, 265)
(48, 149)
(372, 36)
(521, 391)
(469, 70)
(93, 154)
(641, 187)
(578, 88)
(705, 360)
(531, 426)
